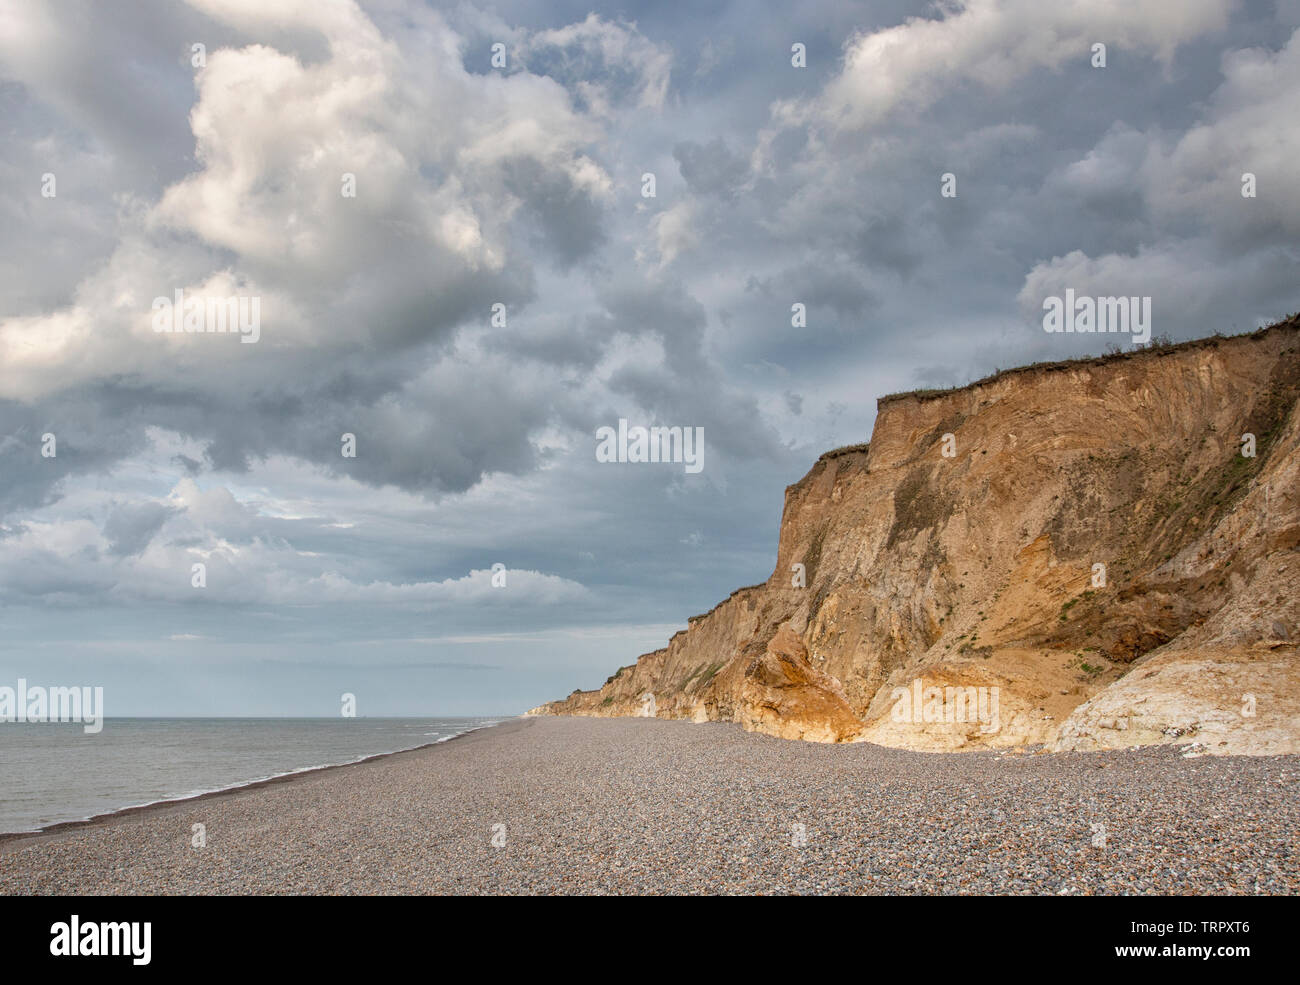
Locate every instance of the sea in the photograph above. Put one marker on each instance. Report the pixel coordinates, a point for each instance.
(53, 772)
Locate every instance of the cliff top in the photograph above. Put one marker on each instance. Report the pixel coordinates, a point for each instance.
(1157, 349)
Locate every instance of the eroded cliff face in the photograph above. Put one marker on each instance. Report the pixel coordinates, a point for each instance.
(1090, 541)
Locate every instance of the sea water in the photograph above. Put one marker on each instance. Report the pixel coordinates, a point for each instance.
(53, 772)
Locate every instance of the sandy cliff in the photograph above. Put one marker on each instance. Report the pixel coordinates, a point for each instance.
(1094, 546)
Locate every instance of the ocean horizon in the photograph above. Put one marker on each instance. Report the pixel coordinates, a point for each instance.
(53, 772)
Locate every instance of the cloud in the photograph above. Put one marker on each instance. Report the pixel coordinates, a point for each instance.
(992, 43)
(710, 169)
(1244, 130)
(130, 527)
(359, 297)
(479, 185)
(593, 47)
(674, 232)
(146, 552)
(1188, 282)
(1225, 259)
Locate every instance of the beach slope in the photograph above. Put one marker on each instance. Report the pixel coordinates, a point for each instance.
(643, 806)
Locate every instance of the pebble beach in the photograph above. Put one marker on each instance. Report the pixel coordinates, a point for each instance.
(643, 806)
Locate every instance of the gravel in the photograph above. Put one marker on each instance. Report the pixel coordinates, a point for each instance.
(642, 806)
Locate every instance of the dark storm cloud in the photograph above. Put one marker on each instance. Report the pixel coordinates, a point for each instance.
(838, 288)
(567, 224)
(86, 440)
(570, 341)
(710, 169)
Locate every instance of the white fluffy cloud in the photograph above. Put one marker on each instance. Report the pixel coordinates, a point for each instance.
(992, 43)
(435, 151)
(648, 64)
(245, 561)
(675, 231)
(1246, 128)
(1193, 181)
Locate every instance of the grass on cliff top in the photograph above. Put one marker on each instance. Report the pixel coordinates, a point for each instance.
(618, 673)
(1159, 346)
(843, 450)
(705, 615)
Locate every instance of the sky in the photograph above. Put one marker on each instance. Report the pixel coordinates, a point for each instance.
(443, 214)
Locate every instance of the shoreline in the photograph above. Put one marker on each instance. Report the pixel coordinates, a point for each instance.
(635, 806)
(8, 839)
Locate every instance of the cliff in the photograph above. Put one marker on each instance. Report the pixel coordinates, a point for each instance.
(1081, 546)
